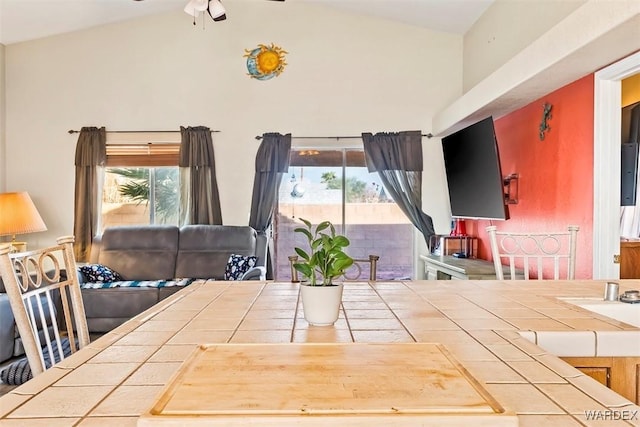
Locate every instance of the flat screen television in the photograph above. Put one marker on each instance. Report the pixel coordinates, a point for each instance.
(474, 175)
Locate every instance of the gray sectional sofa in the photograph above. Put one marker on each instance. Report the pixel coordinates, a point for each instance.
(163, 254)
(149, 253)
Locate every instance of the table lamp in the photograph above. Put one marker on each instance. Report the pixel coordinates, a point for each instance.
(18, 215)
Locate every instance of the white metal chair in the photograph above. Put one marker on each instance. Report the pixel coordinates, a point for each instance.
(537, 252)
(36, 282)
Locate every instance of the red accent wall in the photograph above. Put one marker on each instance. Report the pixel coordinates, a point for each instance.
(556, 174)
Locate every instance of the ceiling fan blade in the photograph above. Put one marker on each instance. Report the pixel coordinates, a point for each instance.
(216, 10)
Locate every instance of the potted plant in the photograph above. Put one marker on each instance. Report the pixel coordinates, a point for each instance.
(325, 261)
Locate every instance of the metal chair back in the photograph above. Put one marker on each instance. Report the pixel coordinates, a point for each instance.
(537, 253)
(44, 294)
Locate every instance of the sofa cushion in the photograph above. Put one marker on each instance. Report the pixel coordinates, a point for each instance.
(107, 309)
(140, 252)
(99, 273)
(7, 329)
(120, 302)
(205, 249)
(237, 265)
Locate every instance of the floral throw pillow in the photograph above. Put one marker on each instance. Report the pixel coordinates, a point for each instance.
(98, 273)
(237, 265)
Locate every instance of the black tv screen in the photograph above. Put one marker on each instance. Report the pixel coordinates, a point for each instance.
(474, 176)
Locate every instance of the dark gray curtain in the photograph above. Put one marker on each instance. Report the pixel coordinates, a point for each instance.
(397, 157)
(199, 197)
(272, 162)
(91, 154)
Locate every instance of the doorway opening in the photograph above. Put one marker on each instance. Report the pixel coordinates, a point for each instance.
(606, 163)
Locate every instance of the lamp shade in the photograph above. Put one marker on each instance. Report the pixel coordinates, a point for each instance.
(18, 215)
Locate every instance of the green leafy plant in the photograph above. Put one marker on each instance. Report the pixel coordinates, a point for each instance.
(326, 257)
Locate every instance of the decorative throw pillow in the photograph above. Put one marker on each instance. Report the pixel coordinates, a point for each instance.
(99, 273)
(237, 265)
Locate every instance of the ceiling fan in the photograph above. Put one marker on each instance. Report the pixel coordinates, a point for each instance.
(213, 7)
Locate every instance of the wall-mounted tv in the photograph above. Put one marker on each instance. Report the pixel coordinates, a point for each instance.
(474, 175)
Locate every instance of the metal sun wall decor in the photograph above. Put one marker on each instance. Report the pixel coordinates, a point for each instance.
(265, 62)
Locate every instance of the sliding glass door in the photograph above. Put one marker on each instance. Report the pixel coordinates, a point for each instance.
(335, 185)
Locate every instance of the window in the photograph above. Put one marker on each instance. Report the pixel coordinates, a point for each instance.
(141, 180)
(335, 185)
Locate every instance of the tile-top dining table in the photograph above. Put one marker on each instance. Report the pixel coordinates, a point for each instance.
(473, 331)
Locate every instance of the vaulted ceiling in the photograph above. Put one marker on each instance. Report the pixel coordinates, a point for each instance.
(22, 20)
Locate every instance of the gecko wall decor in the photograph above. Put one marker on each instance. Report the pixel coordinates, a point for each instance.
(544, 124)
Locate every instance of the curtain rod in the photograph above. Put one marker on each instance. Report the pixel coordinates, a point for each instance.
(259, 137)
(138, 131)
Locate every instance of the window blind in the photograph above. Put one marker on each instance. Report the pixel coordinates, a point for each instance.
(143, 154)
(315, 157)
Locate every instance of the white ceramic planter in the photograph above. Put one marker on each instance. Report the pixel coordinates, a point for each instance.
(321, 304)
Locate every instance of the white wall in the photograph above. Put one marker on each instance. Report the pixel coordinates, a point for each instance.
(345, 75)
(506, 28)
